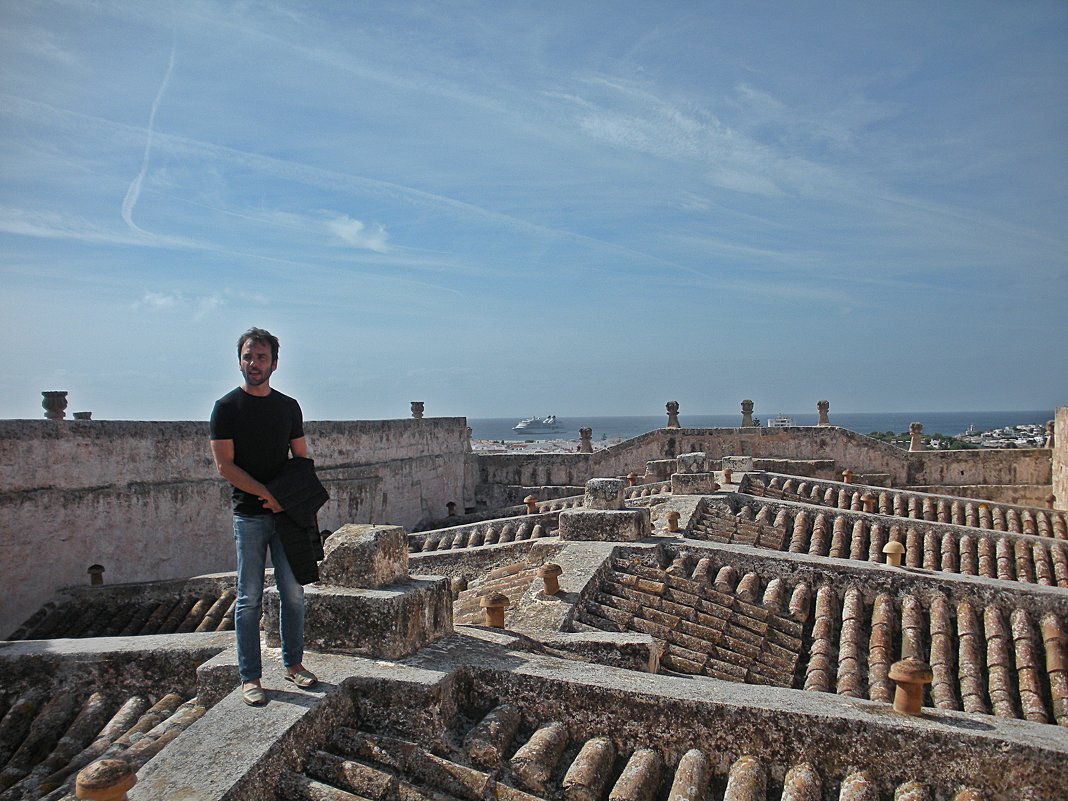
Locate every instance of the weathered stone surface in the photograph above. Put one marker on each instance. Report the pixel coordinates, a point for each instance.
(621, 525)
(390, 623)
(693, 483)
(365, 556)
(640, 778)
(488, 741)
(691, 777)
(692, 462)
(589, 774)
(1060, 459)
(739, 464)
(604, 494)
(144, 500)
(535, 762)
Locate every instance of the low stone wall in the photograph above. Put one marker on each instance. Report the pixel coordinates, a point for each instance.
(1022, 466)
(1060, 459)
(828, 444)
(143, 499)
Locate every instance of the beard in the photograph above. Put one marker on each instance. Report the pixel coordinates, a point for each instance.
(256, 378)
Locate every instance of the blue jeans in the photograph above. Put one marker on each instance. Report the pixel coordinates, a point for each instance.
(253, 535)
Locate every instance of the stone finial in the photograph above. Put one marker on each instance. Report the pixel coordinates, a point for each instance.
(916, 431)
(96, 575)
(585, 440)
(673, 521)
(673, 414)
(847, 476)
(869, 502)
(728, 475)
(604, 494)
(532, 504)
(550, 573)
(105, 780)
(417, 410)
(451, 506)
(894, 551)
(910, 675)
(747, 413)
(55, 404)
(1050, 426)
(494, 605)
(823, 407)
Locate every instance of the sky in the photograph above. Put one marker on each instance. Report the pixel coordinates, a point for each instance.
(514, 208)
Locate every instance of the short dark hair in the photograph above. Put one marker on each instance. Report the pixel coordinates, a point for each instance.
(259, 336)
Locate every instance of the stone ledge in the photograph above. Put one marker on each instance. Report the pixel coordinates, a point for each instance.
(127, 664)
(693, 483)
(390, 622)
(236, 751)
(607, 525)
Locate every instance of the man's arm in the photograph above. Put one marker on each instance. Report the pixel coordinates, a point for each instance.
(222, 451)
(299, 447)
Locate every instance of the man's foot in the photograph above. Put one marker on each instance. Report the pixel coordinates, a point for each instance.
(301, 677)
(252, 693)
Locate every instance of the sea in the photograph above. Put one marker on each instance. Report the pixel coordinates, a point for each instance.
(611, 428)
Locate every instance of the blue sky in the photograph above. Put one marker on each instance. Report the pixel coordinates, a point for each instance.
(508, 208)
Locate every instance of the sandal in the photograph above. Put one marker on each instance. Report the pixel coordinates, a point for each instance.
(303, 678)
(253, 695)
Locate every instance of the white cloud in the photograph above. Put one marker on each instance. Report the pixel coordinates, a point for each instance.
(160, 300)
(198, 307)
(358, 234)
(205, 306)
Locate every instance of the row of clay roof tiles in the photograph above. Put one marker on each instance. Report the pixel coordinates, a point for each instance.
(512, 580)
(918, 506)
(847, 535)
(986, 658)
(46, 739)
(104, 617)
(513, 523)
(704, 631)
(495, 759)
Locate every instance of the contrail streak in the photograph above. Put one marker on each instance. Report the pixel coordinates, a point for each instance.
(134, 192)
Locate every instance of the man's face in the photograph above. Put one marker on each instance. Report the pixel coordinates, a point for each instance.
(256, 363)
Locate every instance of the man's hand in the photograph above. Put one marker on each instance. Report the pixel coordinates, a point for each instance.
(270, 503)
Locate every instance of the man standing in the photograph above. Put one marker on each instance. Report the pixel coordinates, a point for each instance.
(254, 429)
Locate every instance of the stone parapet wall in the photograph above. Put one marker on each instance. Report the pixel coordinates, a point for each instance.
(78, 454)
(1060, 459)
(143, 499)
(829, 445)
(846, 448)
(983, 466)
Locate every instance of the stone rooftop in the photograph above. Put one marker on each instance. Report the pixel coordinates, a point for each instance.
(736, 644)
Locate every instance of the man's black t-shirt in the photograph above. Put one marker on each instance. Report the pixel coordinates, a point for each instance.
(261, 428)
